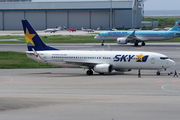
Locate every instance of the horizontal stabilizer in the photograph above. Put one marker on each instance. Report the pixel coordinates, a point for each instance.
(37, 55)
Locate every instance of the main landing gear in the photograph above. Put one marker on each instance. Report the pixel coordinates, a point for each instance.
(143, 44)
(136, 44)
(158, 73)
(89, 72)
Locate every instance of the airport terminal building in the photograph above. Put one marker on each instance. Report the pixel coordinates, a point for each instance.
(72, 14)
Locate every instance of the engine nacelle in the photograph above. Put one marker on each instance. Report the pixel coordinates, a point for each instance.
(122, 40)
(103, 68)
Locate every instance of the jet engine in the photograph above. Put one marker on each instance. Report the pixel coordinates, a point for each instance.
(103, 68)
(122, 40)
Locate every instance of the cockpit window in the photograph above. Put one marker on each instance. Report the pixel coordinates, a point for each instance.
(164, 58)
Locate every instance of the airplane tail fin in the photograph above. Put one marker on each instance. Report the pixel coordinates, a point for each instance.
(176, 27)
(59, 28)
(64, 28)
(33, 40)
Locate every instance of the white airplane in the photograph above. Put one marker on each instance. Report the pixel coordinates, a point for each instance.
(53, 30)
(124, 37)
(98, 61)
(161, 29)
(87, 30)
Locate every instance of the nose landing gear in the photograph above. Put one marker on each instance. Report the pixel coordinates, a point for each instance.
(102, 42)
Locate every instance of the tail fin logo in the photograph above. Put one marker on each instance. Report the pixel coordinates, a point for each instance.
(29, 38)
(179, 24)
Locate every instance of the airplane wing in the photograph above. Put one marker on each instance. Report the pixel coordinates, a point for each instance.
(132, 38)
(143, 38)
(82, 64)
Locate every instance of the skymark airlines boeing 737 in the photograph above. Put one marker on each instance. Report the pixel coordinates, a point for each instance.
(98, 61)
(124, 37)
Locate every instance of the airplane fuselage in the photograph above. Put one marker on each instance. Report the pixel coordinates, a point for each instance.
(143, 35)
(120, 60)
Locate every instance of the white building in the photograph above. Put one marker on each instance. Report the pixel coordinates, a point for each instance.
(149, 24)
(72, 14)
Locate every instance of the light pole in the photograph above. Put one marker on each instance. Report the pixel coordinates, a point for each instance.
(110, 20)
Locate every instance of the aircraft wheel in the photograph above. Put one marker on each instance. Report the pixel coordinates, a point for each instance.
(102, 41)
(158, 73)
(89, 72)
(143, 43)
(135, 44)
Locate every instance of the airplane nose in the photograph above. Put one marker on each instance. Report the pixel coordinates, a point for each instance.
(171, 63)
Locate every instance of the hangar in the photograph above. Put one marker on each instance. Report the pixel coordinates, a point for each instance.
(72, 14)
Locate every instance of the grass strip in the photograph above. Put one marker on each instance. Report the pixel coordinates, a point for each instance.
(68, 39)
(13, 60)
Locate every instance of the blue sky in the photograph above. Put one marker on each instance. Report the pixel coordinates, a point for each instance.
(162, 5)
(149, 4)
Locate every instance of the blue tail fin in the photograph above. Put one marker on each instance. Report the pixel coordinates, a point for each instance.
(32, 38)
(176, 27)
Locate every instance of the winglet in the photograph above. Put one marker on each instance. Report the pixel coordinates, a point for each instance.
(32, 38)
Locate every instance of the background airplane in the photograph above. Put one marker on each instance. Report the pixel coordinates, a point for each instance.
(111, 29)
(53, 30)
(71, 29)
(98, 61)
(87, 30)
(124, 37)
(161, 29)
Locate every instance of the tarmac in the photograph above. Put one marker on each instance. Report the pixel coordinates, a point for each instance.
(69, 94)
